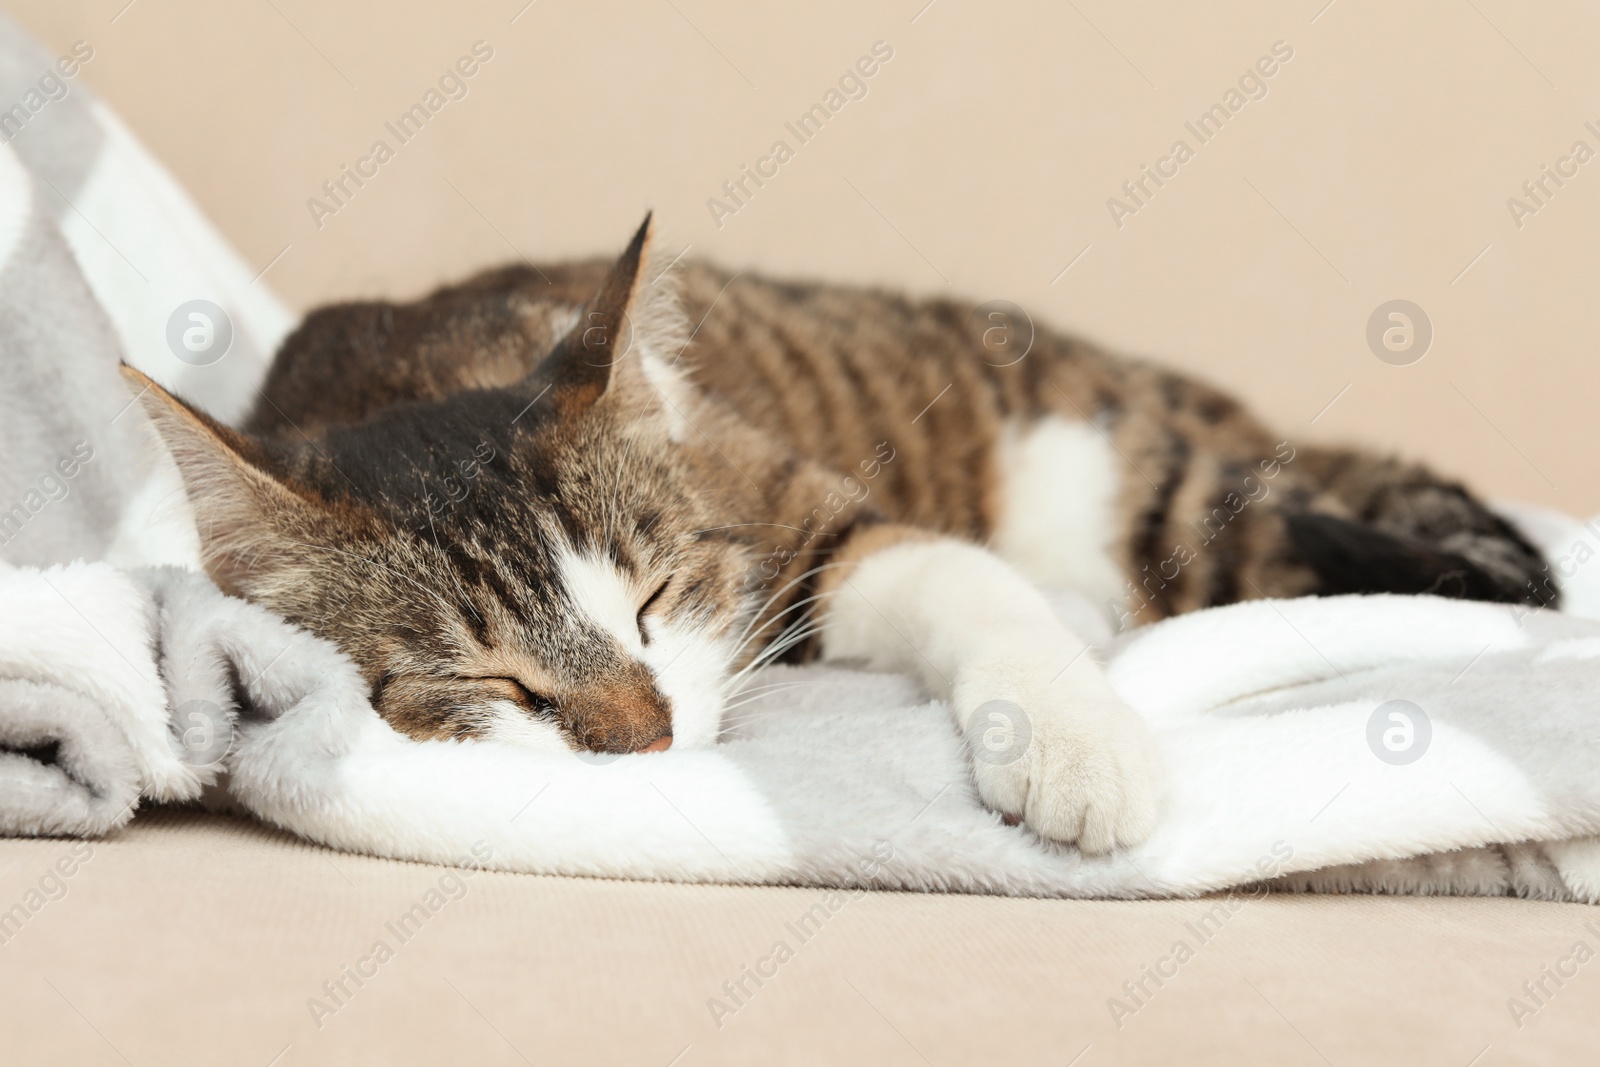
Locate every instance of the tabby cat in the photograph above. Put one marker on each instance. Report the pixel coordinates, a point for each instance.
(539, 507)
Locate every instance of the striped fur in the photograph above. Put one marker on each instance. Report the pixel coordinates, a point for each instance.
(729, 436)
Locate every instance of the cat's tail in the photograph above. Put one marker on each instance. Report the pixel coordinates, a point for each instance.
(1379, 525)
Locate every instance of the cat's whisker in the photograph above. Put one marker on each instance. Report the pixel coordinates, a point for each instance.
(757, 688)
(772, 692)
(749, 720)
(748, 695)
(797, 631)
(751, 717)
(787, 586)
(777, 648)
(775, 596)
(751, 637)
(766, 652)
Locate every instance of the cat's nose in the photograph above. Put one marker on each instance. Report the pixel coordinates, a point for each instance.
(619, 713)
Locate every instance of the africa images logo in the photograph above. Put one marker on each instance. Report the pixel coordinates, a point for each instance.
(199, 332)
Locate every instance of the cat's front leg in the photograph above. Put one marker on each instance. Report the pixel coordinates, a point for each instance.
(1051, 741)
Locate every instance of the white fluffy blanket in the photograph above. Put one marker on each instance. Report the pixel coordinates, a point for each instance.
(1406, 744)
(1274, 721)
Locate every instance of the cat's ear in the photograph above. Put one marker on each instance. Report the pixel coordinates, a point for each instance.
(603, 350)
(239, 503)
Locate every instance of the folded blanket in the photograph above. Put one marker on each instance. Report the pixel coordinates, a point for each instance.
(1393, 743)
(1276, 720)
(83, 711)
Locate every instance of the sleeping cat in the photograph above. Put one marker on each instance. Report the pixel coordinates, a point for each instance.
(540, 507)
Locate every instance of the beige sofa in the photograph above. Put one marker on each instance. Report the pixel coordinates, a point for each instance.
(981, 157)
(197, 939)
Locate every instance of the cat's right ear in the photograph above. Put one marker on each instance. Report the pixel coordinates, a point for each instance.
(239, 504)
(587, 362)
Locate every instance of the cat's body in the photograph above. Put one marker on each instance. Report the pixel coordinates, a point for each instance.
(535, 513)
(1146, 490)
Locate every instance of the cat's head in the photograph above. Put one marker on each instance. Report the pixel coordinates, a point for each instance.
(549, 563)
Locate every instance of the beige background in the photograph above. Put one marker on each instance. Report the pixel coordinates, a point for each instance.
(191, 941)
(1378, 166)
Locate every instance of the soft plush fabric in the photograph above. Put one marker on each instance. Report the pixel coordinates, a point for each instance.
(1263, 712)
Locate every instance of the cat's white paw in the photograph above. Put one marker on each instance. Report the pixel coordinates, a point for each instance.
(1075, 767)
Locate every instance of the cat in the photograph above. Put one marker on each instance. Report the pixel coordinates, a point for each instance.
(540, 506)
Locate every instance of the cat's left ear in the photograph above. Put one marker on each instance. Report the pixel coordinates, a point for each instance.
(630, 320)
(242, 507)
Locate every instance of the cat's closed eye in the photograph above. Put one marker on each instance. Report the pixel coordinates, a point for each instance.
(540, 705)
(649, 603)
